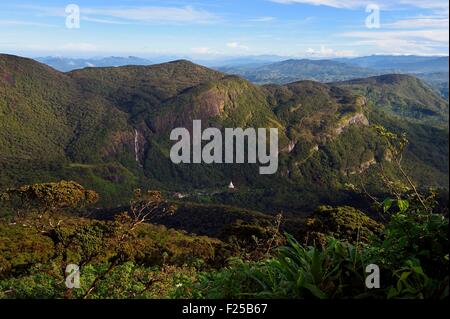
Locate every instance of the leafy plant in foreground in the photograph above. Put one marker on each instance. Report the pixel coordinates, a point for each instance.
(336, 271)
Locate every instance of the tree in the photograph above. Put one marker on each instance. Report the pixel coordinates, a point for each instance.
(47, 199)
(143, 208)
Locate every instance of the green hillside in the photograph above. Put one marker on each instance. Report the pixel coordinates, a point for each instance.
(108, 128)
(402, 95)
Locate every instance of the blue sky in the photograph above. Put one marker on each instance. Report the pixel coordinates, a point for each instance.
(219, 28)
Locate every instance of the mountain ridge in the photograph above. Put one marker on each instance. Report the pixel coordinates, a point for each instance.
(108, 128)
(291, 70)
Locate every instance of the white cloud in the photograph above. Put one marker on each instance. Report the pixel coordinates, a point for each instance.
(427, 4)
(154, 14)
(355, 4)
(105, 21)
(420, 22)
(186, 14)
(403, 41)
(325, 52)
(262, 19)
(348, 4)
(25, 23)
(237, 45)
(44, 10)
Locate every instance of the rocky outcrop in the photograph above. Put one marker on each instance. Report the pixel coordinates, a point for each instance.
(116, 143)
(291, 146)
(212, 103)
(361, 168)
(357, 119)
(121, 141)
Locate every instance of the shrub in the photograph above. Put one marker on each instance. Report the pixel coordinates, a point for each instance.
(411, 252)
(49, 197)
(345, 223)
(413, 248)
(296, 272)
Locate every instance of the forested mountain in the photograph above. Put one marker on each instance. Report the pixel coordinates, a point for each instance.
(108, 128)
(357, 160)
(432, 70)
(402, 95)
(281, 70)
(295, 70)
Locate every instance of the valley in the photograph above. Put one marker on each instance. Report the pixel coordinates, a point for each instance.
(109, 129)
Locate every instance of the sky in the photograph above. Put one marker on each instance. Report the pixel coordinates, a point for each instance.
(224, 28)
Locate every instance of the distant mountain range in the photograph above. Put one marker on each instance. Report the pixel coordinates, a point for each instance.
(108, 128)
(296, 70)
(401, 63)
(266, 69)
(69, 64)
(433, 70)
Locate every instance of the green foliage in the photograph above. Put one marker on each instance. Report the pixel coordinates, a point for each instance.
(438, 81)
(113, 181)
(153, 262)
(411, 251)
(131, 281)
(37, 286)
(295, 272)
(148, 264)
(413, 283)
(21, 248)
(49, 197)
(125, 281)
(414, 235)
(344, 223)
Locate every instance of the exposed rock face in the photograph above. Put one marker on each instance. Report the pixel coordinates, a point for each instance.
(357, 119)
(212, 103)
(136, 145)
(361, 101)
(206, 105)
(139, 147)
(364, 166)
(361, 168)
(120, 141)
(291, 146)
(7, 78)
(117, 141)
